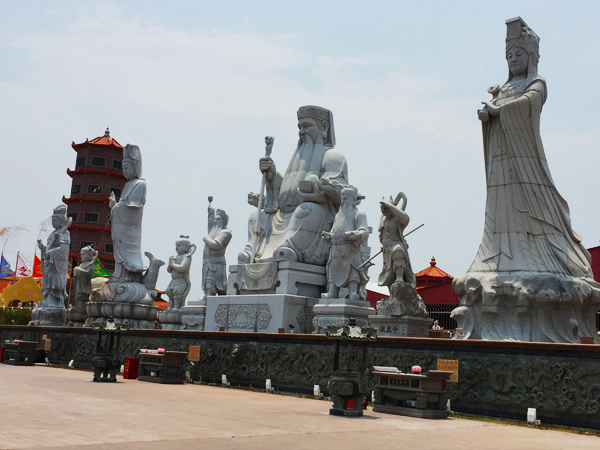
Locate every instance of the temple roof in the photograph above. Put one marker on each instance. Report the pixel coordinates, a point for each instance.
(433, 271)
(105, 140)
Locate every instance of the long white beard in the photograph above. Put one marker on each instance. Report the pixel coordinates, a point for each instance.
(307, 160)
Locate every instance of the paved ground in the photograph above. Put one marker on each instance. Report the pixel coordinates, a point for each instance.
(45, 407)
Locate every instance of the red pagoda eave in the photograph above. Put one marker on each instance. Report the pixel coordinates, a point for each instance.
(99, 171)
(81, 198)
(102, 141)
(85, 226)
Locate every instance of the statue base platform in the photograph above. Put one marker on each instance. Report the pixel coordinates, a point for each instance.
(527, 306)
(400, 326)
(263, 313)
(289, 278)
(339, 311)
(123, 301)
(76, 317)
(170, 319)
(49, 316)
(194, 315)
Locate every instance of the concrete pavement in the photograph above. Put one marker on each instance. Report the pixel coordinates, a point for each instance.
(56, 408)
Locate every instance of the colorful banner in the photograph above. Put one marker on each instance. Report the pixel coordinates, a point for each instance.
(37, 267)
(5, 270)
(21, 269)
(99, 270)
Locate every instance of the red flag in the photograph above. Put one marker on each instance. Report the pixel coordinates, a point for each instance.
(21, 269)
(37, 267)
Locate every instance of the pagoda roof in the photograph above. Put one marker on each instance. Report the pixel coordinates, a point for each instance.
(433, 271)
(105, 141)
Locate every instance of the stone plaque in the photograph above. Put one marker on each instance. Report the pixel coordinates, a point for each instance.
(451, 365)
(194, 353)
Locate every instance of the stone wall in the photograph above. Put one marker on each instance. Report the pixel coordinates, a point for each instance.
(499, 379)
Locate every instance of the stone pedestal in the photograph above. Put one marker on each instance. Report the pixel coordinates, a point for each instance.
(49, 316)
(263, 313)
(292, 278)
(76, 317)
(338, 311)
(400, 326)
(170, 319)
(194, 315)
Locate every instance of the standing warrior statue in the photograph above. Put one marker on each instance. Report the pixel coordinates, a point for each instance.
(349, 231)
(82, 277)
(214, 266)
(396, 263)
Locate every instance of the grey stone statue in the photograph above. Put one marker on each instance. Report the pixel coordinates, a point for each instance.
(531, 279)
(129, 293)
(55, 266)
(126, 219)
(82, 284)
(301, 203)
(214, 266)
(345, 264)
(179, 268)
(397, 273)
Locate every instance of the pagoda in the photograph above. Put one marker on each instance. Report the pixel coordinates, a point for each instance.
(98, 172)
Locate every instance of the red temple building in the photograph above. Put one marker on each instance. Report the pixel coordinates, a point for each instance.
(98, 172)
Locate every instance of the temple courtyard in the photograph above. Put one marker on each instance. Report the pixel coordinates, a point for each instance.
(58, 408)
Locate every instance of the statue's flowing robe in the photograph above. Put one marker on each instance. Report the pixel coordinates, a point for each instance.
(56, 264)
(126, 230)
(527, 223)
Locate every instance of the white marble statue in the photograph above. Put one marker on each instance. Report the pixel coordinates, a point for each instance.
(179, 268)
(55, 259)
(82, 277)
(126, 219)
(302, 203)
(396, 263)
(531, 279)
(214, 266)
(349, 231)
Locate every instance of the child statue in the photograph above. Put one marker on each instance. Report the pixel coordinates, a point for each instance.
(349, 230)
(82, 277)
(179, 268)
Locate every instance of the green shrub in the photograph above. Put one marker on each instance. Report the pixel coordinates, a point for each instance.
(19, 316)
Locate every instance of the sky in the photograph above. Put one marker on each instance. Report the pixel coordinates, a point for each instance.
(198, 85)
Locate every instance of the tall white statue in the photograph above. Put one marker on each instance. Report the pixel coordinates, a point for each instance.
(302, 203)
(55, 267)
(214, 266)
(531, 279)
(345, 265)
(126, 219)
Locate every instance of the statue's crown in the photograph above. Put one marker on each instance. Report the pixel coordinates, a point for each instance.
(60, 210)
(520, 35)
(314, 112)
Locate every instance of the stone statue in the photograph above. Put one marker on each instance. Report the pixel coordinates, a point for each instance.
(214, 266)
(531, 279)
(55, 266)
(126, 218)
(82, 277)
(396, 263)
(128, 295)
(302, 203)
(397, 273)
(349, 231)
(179, 268)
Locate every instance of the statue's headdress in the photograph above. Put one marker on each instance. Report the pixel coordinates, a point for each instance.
(322, 114)
(224, 216)
(350, 190)
(132, 155)
(60, 210)
(518, 34)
